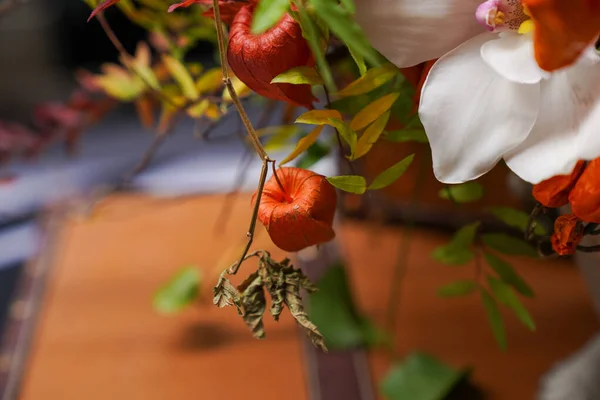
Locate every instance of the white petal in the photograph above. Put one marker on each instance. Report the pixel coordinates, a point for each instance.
(568, 127)
(512, 56)
(472, 115)
(409, 32)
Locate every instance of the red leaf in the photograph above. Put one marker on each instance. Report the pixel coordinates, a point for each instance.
(101, 7)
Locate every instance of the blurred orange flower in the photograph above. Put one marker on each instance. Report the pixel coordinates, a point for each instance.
(563, 30)
(554, 192)
(585, 196)
(300, 212)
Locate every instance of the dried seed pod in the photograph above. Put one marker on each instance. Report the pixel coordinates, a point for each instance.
(257, 59)
(300, 213)
(568, 232)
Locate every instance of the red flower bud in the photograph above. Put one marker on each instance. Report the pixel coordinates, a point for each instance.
(299, 213)
(585, 196)
(554, 192)
(257, 59)
(568, 232)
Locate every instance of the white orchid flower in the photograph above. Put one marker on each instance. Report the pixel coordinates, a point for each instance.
(486, 98)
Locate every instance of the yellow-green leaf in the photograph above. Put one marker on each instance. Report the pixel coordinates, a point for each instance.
(281, 137)
(275, 129)
(391, 174)
(198, 110)
(370, 136)
(372, 79)
(210, 81)
(299, 76)
(349, 183)
(373, 111)
(179, 72)
(303, 144)
(345, 132)
(140, 64)
(318, 117)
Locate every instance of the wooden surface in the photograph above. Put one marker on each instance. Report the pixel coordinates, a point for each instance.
(98, 337)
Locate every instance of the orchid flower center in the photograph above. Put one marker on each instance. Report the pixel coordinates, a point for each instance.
(504, 16)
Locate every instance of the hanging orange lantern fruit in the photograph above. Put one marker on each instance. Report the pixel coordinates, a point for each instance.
(299, 213)
(585, 196)
(568, 232)
(257, 59)
(554, 192)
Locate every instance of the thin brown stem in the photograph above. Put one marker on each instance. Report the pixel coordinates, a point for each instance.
(145, 162)
(126, 58)
(287, 198)
(250, 234)
(338, 136)
(234, 97)
(401, 266)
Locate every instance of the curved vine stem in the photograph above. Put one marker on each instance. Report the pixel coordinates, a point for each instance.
(260, 150)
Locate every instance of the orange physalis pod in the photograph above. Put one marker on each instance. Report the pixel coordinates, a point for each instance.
(568, 232)
(585, 196)
(554, 192)
(257, 59)
(299, 213)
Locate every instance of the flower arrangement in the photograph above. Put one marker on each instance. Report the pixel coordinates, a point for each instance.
(482, 82)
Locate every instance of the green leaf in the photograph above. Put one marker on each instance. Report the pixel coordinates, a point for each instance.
(370, 136)
(508, 244)
(371, 80)
(373, 111)
(313, 155)
(505, 295)
(180, 291)
(391, 174)
(341, 22)
(407, 135)
(332, 310)
(353, 104)
(281, 136)
(349, 183)
(421, 377)
(182, 76)
(349, 5)
(359, 60)
(494, 317)
(303, 144)
(267, 14)
(458, 288)
(299, 76)
(311, 33)
(515, 218)
(464, 193)
(345, 132)
(508, 275)
(318, 117)
(457, 252)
